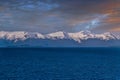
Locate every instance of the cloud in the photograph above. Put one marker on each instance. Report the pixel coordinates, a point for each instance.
(48, 16)
(42, 6)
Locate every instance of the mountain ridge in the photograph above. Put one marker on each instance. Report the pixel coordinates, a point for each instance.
(77, 36)
(58, 39)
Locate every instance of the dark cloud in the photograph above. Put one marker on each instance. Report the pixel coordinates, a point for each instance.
(53, 15)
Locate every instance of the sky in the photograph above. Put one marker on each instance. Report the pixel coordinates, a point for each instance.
(46, 16)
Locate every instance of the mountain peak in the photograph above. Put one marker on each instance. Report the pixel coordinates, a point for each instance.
(55, 35)
(56, 39)
(77, 36)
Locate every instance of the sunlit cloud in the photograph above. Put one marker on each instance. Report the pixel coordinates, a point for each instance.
(47, 16)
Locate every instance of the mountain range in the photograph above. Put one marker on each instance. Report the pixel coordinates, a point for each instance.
(58, 39)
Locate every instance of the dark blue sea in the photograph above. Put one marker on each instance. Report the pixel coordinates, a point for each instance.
(60, 64)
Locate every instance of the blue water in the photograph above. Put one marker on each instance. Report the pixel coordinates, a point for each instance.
(60, 64)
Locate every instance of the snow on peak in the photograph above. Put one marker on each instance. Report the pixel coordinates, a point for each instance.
(13, 35)
(34, 35)
(105, 36)
(19, 35)
(116, 34)
(78, 36)
(56, 35)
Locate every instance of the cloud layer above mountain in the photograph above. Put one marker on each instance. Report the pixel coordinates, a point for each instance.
(48, 16)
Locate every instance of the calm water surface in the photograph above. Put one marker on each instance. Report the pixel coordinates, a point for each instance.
(60, 64)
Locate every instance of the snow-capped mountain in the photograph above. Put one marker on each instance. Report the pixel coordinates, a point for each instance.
(58, 39)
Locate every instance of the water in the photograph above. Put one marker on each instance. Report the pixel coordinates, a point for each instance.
(60, 64)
